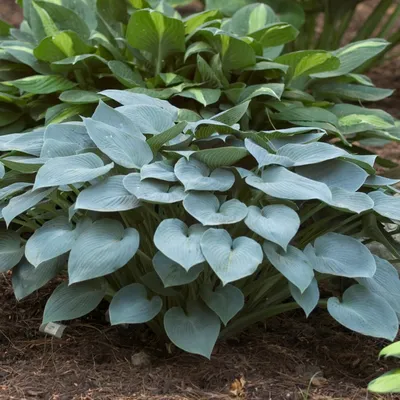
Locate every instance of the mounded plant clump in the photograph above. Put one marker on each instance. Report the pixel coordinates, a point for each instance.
(197, 228)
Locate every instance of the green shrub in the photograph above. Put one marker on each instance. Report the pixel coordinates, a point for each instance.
(65, 53)
(389, 382)
(198, 229)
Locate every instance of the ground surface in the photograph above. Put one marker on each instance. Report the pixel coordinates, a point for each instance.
(275, 361)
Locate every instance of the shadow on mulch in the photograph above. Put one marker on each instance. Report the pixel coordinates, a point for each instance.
(93, 361)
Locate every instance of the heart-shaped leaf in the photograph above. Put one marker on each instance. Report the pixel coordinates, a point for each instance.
(172, 274)
(26, 278)
(153, 191)
(197, 176)
(276, 223)
(226, 301)
(69, 170)
(281, 183)
(53, 239)
(230, 259)
(292, 264)
(11, 250)
(364, 312)
(180, 243)
(74, 301)
(307, 300)
(132, 306)
(109, 195)
(122, 147)
(195, 331)
(341, 255)
(207, 209)
(102, 248)
(160, 170)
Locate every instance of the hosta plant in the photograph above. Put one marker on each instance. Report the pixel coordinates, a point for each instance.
(66, 52)
(198, 229)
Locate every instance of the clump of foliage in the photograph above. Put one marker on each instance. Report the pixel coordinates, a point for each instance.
(196, 228)
(66, 52)
(389, 382)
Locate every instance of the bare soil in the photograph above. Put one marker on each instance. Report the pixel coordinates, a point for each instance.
(289, 357)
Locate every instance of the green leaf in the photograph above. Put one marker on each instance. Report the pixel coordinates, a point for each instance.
(277, 223)
(289, 11)
(387, 383)
(156, 34)
(157, 141)
(230, 259)
(353, 56)
(80, 97)
(172, 274)
(74, 301)
(203, 96)
(207, 209)
(226, 301)
(195, 175)
(364, 312)
(131, 306)
(108, 195)
(392, 350)
(180, 243)
(123, 148)
(127, 76)
(43, 84)
(66, 112)
(192, 22)
(341, 255)
(53, 239)
(227, 8)
(308, 62)
(102, 249)
(11, 250)
(275, 34)
(195, 330)
(293, 264)
(4, 28)
(307, 300)
(26, 278)
(268, 89)
(221, 157)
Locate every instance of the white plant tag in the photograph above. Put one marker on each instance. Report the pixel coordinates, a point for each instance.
(53, 329)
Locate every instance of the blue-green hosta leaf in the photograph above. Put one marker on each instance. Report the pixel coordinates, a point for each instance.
(195, 330)
(74, 301)
(159, 170)
(366, 162)
(284, 184)
(276, 223)
(364, 312)
(102, 249)
(111, 116)
(307, 62)
(156, 34)
(268, 89)
(207, 209)
(341, 255)
(354, 55)
(69, 170)
(122, 147)
(153, 191)
(127, 98)
(297, 139)
(203, 96)
(43, 84)
(252, 18)
(13, 188)
(335, 173)
(109, 195)
(180, 243)
(351, 201)
(384, 283)
(307, 300)
(263, 157)
(230, 259)
(23, 202)
(26, 278)
(148, 118)
(195, 175)
(131, 305)
(55, 148)
(172, 274)
(388, 206)
(54, 238)
(69, 132)
(377, 180)
(386, 383)
(11, 250)
(226, 301)
(292, 264)
(29, 142)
